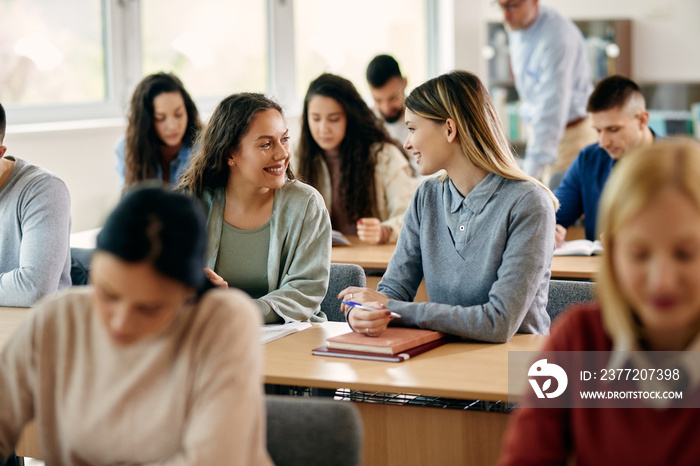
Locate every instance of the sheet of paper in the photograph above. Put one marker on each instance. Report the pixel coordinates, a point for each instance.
(84, 239)
(270, 333)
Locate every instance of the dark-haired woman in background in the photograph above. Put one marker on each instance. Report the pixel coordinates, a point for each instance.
(269, 234)
(163, 125)
(147, 365)
(346, 154)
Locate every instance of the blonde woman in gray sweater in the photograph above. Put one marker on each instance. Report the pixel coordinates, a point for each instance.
(477, 234)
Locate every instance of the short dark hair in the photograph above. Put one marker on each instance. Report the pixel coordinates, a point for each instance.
(3, 123)
(163, 228)
(381, 69)
(612, 92)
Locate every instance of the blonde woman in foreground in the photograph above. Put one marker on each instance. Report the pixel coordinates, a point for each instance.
(649, 300)
(482, 235)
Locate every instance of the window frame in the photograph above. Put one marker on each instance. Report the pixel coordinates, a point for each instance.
(123, 69)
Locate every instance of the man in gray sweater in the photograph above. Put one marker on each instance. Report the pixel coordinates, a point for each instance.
(34, 230)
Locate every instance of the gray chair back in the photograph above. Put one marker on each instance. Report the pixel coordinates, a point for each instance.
(80, 265)
(341, 277)
(564, 293)
(313, 431)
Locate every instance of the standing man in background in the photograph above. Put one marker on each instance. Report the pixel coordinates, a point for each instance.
(388, 88)
(553, 80)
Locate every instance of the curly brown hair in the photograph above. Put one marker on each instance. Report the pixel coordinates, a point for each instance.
(142, 154)
(208, 168)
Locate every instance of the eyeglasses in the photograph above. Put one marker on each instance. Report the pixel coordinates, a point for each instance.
(513, 5)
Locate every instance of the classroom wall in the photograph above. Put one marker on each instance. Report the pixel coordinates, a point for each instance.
(665, 38)
(82, 156)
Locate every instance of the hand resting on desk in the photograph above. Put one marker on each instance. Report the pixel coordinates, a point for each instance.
(370, 230)
(371, 323)
(559, 236)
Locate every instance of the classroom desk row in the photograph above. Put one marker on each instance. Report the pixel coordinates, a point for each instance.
(394, 433)
(378, 256)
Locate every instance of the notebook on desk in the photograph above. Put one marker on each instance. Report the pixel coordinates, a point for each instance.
(395, 344)
(398, 357)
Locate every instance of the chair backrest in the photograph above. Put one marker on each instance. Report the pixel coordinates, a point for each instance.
(80, 265)
(341, 277)
(564, 293)
(313, 431)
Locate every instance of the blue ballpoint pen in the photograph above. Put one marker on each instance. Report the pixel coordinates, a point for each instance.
(367, 308)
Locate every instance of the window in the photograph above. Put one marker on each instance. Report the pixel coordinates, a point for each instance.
(52, 52)
(342, 38)
(81, 59)
(216, 47)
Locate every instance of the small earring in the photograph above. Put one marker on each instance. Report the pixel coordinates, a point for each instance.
(231, 163)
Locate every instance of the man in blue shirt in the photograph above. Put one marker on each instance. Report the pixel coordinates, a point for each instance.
(553, 80)
(618, 113)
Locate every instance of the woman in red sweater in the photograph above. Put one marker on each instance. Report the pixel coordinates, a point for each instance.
(649, 300)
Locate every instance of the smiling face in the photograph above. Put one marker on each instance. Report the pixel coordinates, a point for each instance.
(170, 118)
(132, 299)
(264, 152)
(658, 267)
(389, 99)
(327, 122)
(619, 129)
(427, 141)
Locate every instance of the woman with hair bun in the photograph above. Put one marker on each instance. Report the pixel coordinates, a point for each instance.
(148, 365)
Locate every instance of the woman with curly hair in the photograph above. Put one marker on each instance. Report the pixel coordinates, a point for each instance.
(268, 234)
(163, 125)
(345, 153)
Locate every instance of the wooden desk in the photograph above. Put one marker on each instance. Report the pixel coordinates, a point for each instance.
(365, 255)
(576, 267)
(393, 434)
(397, 434)
(10, 318)
(377, 257)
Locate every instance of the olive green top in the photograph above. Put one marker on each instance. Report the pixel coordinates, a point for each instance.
(242, 259)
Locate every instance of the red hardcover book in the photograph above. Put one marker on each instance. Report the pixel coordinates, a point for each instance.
(398, 357)
(392, 341)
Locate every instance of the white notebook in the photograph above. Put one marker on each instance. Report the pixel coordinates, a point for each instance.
(579, 247)
(270, 333)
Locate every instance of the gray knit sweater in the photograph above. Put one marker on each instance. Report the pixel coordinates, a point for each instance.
(486, 259)
(34, 235)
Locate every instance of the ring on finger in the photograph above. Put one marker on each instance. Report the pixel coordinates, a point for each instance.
(367, 331)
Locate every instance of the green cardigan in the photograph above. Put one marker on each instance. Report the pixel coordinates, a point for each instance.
(298, 263)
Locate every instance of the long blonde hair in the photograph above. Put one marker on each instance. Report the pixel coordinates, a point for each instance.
(637, 180)
(460, 96)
